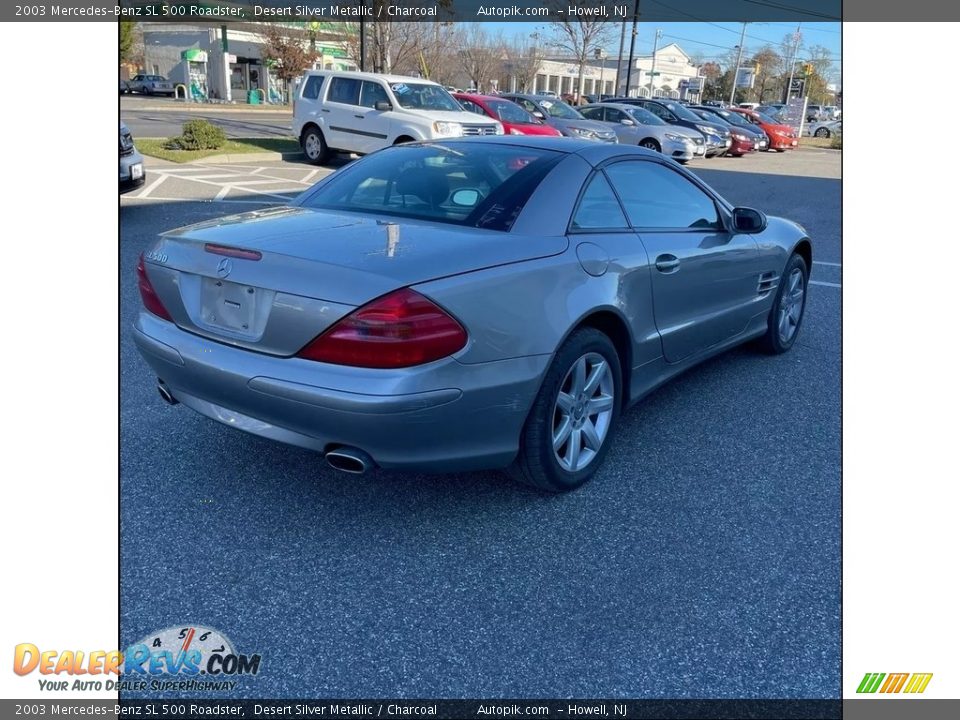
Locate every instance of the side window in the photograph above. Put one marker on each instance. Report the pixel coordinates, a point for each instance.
(371, 93)
(344, 90)
(655, 196)
(592, 113)
(614, 115)
(311, 88)
(598, 208)
(657, 110)
(527, 105)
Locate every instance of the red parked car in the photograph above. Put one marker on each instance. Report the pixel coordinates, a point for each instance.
(515, 120)
(782, 137)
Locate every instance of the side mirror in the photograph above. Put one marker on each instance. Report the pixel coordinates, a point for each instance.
(382, 105)
(627, 121)
(748, 220)
(466, 197)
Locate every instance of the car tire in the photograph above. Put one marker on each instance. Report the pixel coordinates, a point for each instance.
(822, 133)
(650, 144)
(315, 146)
(789, 304)
(560, 412)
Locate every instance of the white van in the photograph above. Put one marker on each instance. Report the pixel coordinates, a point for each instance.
(361, 112)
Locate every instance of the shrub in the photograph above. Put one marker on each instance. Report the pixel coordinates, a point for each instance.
(198, 135)
(837, 142)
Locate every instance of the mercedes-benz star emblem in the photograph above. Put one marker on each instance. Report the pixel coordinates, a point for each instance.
(224, 267)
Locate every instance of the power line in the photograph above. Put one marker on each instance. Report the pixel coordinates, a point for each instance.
(792, 8)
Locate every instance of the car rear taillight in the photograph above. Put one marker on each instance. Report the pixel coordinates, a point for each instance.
(149, 296)
(397, 330)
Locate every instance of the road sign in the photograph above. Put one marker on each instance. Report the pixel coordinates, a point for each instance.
(797, 85)
(651, 74)
(745, 77)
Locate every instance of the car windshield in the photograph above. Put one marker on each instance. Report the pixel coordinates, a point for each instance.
(482, 185)
(766, 119)
(421, 96)
(681, 112)
(510, 112)
(559, 109)
(645, 117)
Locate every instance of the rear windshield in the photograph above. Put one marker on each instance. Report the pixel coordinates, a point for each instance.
(483, 185)
(420, 96)
(559, 109)
(510, 112)
(645, 117)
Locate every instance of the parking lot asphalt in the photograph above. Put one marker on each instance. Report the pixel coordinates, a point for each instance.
(164, 117)
(703, 560)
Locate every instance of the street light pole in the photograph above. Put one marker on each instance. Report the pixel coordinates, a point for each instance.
(653, 62)
(736, 72)
(793, 62)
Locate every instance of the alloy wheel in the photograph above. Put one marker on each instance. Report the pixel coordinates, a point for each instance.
(791, 306)
(583, 412)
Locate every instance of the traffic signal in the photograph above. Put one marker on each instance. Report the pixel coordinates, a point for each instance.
(808, 68)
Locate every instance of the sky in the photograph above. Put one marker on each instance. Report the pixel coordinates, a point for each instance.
(713, 41)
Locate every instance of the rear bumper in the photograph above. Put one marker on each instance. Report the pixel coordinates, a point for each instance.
(441, 417)
(741, 147)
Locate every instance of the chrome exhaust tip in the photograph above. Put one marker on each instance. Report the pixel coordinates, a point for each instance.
(349, 460)
(165, 393)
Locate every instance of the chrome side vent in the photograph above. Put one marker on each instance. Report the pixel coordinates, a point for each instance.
(768, 282)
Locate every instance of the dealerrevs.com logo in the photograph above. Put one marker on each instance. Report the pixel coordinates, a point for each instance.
(178, 658)
(910, 683)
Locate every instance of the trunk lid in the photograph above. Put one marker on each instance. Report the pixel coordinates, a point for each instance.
(314, 267)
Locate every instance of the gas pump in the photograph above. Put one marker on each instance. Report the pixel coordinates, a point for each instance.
(272, 84)
(196, 64)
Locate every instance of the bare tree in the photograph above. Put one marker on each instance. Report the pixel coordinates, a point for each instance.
(524, 58)
(580, 37)
(767, 63)
(481, 54)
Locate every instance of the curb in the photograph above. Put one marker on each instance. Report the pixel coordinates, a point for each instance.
(203, 107)
(241, 158)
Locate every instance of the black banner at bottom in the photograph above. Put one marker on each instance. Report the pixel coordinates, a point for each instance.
(448, 709)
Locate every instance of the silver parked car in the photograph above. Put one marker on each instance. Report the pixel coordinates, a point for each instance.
(823, 129)
(131, 162)
(635, 126)
(150, 85)
(561, 116)
(466, 303)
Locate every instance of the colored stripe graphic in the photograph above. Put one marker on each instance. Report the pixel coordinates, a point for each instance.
(918, 682)
(894, 682)
(870, 682)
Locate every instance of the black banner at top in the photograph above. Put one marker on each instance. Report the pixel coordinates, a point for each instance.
(226, 11)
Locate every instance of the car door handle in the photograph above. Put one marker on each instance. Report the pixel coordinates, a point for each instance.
(324, 109)
(360, 117)
(667, 263)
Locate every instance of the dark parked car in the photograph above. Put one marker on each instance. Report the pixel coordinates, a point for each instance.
(670, 111)
(531, 289)
(564, 118)
(738, 126)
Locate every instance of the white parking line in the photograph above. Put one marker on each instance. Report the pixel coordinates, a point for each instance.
(825, 284)
(310, 175)
(828, 264)
(152, 186)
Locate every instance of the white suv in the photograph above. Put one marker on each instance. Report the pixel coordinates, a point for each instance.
(361, 112)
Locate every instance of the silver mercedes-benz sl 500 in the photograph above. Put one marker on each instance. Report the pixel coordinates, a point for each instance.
(466, 304)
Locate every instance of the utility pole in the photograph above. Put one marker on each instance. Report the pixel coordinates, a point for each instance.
(363, 46)
(653, 63)
(633, 42)
(793, 62)
(616, 83)
(736, 72)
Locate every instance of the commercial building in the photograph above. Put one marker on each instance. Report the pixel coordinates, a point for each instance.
(226, 62)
